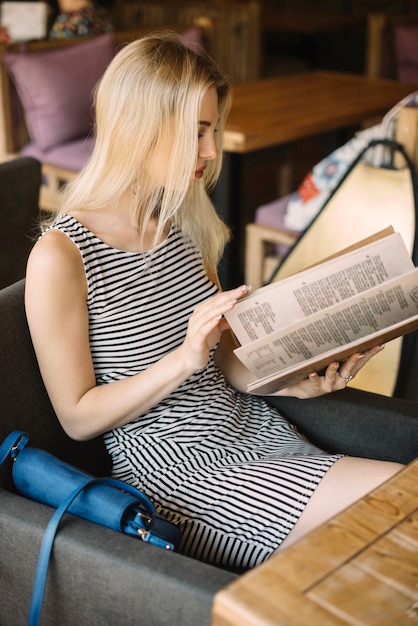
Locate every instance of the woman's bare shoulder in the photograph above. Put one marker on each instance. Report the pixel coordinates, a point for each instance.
(53, 247)
(55, 264)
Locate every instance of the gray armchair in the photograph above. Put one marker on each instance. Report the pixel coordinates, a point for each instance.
(20, 184)
(99, 577)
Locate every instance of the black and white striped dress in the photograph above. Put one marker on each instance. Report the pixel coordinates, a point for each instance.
(224, 466)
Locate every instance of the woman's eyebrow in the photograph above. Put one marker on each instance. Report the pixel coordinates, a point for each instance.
(208, 124)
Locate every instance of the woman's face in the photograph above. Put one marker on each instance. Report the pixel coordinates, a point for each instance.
(157, 165)
(208, 121)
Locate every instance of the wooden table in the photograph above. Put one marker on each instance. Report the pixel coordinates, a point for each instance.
(360, 569)
(269, 116)
(279, 110)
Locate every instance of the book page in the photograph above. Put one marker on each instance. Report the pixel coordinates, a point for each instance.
(386, 306)
(318, 288)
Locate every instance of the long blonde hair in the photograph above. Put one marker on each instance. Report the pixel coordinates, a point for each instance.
(151, 91)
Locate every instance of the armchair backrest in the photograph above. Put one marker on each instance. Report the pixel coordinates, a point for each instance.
(20, 184)
(24, 402)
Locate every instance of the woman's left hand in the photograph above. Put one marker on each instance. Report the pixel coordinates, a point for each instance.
(335, 377)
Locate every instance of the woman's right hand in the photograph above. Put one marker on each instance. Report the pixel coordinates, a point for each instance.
(206, 325)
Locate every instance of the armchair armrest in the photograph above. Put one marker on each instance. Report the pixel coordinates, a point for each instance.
(357, 423)
(98, 576)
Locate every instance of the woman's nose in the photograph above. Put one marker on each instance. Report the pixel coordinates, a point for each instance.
(208, 149)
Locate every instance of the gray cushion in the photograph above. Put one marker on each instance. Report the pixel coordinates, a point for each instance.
(98, 577)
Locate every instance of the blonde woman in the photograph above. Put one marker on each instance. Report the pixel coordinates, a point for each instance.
(127, 323)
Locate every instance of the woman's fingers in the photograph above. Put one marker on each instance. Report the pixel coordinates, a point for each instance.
(336, 376)
(206, 323)
(222, 302)
(208, 314)
(354, 363)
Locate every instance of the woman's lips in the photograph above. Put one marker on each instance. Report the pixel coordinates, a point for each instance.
(199, 173)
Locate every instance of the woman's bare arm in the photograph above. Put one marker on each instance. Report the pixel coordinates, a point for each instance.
(56, 293)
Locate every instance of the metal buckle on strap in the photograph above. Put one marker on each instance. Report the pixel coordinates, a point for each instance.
(18, 446)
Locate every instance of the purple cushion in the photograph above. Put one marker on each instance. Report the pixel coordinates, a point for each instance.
(71, 155)
(55, 88)
(193, 38)
(406, 53)
(272, 214)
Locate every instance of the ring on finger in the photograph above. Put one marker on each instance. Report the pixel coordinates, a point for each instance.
(345, 378)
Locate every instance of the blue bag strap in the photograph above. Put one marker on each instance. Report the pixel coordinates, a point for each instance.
(44, 556)
(51, 530)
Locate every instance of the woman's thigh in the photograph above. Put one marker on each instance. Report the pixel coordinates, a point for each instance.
(348, 480)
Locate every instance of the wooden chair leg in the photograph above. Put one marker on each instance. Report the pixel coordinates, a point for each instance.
(258, 236)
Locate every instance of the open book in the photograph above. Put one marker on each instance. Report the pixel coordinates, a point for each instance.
(362, 297)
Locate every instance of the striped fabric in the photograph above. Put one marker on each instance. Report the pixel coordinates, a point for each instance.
(224, 466)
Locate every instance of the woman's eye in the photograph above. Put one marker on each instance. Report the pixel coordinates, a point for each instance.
(203, 132)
